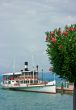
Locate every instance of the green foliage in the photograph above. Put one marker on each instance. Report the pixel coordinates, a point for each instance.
(61, 50)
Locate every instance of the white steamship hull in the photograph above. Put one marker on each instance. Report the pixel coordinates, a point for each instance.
(42, 88)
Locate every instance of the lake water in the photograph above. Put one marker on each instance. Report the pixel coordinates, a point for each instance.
(16, 100)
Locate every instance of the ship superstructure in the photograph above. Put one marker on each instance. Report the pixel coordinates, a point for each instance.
(27, 80)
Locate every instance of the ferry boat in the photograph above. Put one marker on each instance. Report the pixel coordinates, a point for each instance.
(26, 80)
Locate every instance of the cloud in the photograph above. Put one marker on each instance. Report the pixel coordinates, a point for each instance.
(23, 24)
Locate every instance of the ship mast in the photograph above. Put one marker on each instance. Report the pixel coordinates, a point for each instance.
(33, 68)
(33, 74)
(13, 67)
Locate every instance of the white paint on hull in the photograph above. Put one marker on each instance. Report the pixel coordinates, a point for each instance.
(47, 88)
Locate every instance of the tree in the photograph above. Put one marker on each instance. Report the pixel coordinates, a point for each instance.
(61, 51)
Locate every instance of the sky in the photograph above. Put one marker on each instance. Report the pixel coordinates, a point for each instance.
(23, 24)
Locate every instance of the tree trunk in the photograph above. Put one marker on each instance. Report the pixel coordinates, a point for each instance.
(74, 97)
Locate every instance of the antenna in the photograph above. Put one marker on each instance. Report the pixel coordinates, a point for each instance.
(42, 75)
(33, 61)
(14, 65)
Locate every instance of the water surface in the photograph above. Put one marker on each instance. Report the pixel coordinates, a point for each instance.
(15, 100)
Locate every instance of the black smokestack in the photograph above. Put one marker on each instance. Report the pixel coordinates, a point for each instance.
(26, 66)
(37, 67)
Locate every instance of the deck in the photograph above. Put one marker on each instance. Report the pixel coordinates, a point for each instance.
(65, 90)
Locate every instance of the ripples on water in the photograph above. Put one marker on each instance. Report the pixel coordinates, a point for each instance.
(15, 100)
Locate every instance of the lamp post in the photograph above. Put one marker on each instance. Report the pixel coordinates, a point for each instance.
(42, 75)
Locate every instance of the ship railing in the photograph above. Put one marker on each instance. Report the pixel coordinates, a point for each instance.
(25, 78)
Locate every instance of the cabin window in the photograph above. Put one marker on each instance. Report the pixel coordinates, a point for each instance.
(17, 81)
(9, 82)
(27, 81)
(24, 81)
(21, 82)
(31, 81)
(35, 81)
